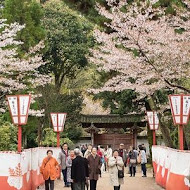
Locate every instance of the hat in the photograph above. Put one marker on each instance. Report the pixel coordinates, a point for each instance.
(121, 144)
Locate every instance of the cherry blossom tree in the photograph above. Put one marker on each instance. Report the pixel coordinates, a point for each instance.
(187, 2)
(19, 74)
(146, 45)
(147, 49)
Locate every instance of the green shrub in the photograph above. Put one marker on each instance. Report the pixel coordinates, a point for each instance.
(8, 137)
(50, 139)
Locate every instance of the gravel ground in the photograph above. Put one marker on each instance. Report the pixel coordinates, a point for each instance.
(130, 183)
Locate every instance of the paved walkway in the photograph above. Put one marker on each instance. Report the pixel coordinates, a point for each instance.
(130, 183)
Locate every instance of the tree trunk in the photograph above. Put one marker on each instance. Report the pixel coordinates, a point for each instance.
(150, 142)
(57, 86)
(164, 129)
(57, 83)
(40, 126)
(24, 140)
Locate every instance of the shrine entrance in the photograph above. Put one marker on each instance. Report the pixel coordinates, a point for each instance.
(98, 127)
(114, 140)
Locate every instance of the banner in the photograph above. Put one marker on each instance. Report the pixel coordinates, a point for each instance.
(22, 171)
(171, 168)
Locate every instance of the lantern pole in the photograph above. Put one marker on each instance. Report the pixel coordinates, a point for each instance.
(154, 131)
(154, 137)
(58, 134)
(17, 121)
(19, 147)
(57, 124)
(181, 146)
(58, 139)
(180, 129)
(19, 127)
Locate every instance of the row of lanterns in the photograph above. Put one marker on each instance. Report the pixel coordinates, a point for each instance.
(180, 108)
(19, 107)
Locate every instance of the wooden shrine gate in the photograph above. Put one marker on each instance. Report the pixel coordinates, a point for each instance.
(114, 140)
(93, 124)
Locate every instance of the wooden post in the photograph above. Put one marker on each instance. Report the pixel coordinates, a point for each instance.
(135, 138)
(154, 137)
(181, 144)
(92, 137)
(180, 129)
(19, 127)
(19, 138)
(58, 139)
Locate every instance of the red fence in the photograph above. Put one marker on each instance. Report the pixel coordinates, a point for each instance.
(22, 171)
(171, 167)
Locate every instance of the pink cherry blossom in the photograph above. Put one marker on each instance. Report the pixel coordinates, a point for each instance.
(18, 74)
(162, 54)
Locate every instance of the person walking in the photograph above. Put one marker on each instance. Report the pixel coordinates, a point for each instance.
(103, 168)
(88, 151)
(49, 170)
(123, 154)
(79, 171)
(132, 161)
(109, 154)
(100, 154)
(83, 149)
(144, 147)
(99, 151)
(63, 155)
(105, 159)
(94, 165)
(68, 165)
(115, 164)
(143, 160)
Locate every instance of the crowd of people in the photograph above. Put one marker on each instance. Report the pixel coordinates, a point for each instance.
(82, 167)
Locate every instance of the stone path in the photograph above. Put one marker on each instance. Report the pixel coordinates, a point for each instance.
(130, 183)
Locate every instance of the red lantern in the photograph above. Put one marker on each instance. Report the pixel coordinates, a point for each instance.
(180, 108)
(58, 121)
(19, 107)
(153, 122)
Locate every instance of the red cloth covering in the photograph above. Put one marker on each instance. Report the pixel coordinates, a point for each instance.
(99, 153)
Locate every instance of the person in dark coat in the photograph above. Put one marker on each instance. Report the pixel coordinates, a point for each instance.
(83, 149)
(132, 161)
(94, 165)
(79, 171)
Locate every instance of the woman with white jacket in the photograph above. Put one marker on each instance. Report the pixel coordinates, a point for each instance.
(115, 163)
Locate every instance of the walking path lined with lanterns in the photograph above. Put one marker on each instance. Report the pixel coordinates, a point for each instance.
(19, 106)
(130, 183)
(21, 170)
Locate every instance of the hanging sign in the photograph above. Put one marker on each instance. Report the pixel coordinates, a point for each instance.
(180, 107)
(153, 120)
(186, 108)
(58, 121)
(19, 107)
